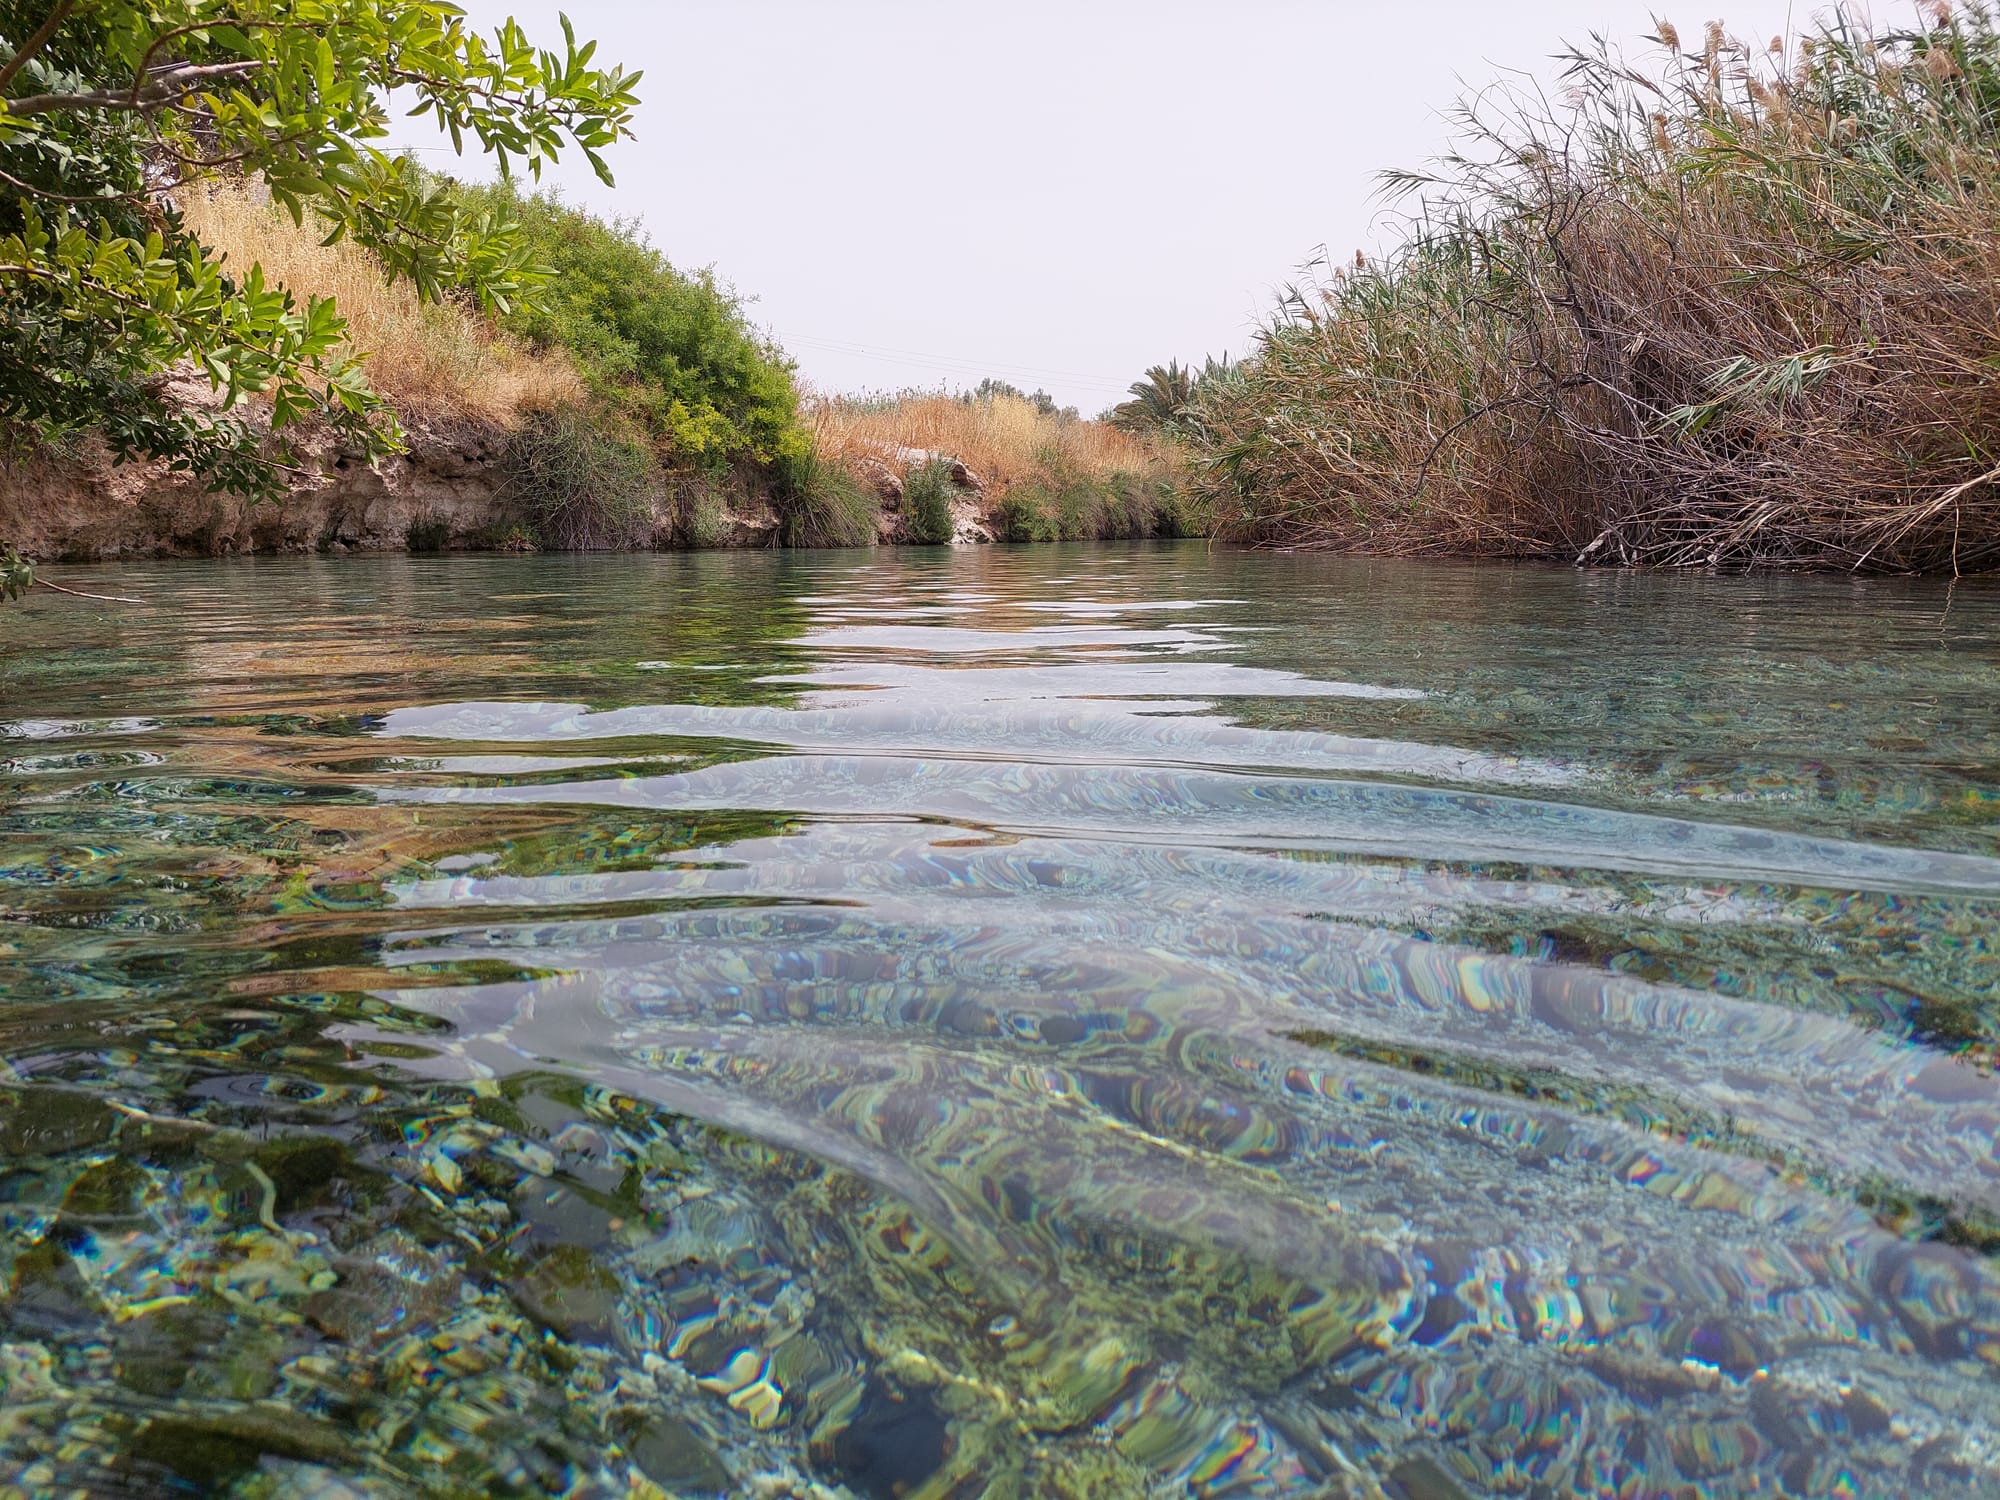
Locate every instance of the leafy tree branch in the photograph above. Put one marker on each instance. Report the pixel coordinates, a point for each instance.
(111, 109)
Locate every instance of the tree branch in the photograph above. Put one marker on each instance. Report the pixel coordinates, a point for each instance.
(239, 23)
(43, 583)
(29, 189)
(169, 85)
(35, 43)
(123, 299)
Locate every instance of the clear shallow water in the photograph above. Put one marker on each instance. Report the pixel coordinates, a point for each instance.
(1061, 1021)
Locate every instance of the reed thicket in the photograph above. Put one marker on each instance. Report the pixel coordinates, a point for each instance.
(1738, 307)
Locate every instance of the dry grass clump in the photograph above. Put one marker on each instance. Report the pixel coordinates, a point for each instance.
(1740, 309)
(1004, 439)
(435, 360)
(1045, 475)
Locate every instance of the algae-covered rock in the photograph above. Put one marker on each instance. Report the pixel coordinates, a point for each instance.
(305, 1169)
(211, 1450)
(571, 1292)
(110, 1190)
(160, 1349)
(1423, 1479)
(1082, 1383)
(51, 1122)
(48, 1292)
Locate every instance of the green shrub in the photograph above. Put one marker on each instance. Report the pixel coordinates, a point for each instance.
(1064, 502)
(580, 485)
(1073, 498)
(1132, 506)
(427, 532)
(1079, 509)
(820, 504)
(927, 497)
(504, 536)
(1184, 512)
(1023, 515)
(670, 351)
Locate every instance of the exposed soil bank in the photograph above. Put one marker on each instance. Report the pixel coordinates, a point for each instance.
(448, 491)
(85, 509)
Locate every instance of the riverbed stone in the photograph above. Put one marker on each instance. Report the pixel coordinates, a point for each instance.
(571, 1292)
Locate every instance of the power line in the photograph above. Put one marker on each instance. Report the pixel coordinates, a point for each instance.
(952, 362)
(849, 346)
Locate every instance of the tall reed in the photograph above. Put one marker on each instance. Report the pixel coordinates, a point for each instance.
(1739, 307)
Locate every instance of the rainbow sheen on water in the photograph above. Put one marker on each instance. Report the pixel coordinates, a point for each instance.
(1072, 1021)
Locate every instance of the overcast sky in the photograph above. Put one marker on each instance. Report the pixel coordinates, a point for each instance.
(1056, 192)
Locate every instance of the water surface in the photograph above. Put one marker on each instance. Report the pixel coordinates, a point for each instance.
(1072, 1021)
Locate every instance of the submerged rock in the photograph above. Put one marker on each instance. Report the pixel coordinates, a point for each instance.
(893, 1446)
(671, 1454)
(1423, 1479)
(51, 1122)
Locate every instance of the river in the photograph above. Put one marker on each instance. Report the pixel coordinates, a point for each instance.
(1121, 1020)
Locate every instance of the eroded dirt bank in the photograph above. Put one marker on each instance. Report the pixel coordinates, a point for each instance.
(447, 492)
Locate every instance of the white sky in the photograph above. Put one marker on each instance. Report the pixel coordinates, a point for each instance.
(1059, 194)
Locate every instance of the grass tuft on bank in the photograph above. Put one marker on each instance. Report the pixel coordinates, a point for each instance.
(1736, 306)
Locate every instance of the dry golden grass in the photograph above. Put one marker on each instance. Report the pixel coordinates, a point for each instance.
(438, 360)
(1006, 441)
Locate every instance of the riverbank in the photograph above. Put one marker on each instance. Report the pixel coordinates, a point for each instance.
(456, 486)
(630, 406)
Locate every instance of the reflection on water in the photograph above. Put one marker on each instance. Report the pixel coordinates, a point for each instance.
(1072, 1021)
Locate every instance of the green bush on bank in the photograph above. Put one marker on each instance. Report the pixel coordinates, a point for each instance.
(427, 533)
(672, 365)
(671, 352)
(700, 514)
(1063, 502)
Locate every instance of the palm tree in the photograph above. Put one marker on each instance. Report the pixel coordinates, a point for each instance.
(1157, 400)
(1162, 400)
